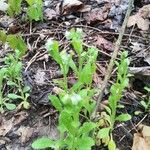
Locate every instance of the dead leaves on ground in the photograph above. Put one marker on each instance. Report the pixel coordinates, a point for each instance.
(11, 126)
(7, 125)
(97, 15)
(104, 44)
(141, 19)
(141, 140)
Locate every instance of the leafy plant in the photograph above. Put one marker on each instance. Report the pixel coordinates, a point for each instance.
(14, 78)
(4, 100)
(34, 9)
(73, 102)
(110, 116)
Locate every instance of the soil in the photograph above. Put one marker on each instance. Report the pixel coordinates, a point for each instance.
(41, 119)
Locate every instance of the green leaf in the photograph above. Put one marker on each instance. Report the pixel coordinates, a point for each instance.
(143, 103)
(111, 145)
(55, 102)
(66, 119)
(87, 127)
(16, 42)
(147, 89)
(26, 89)
(11, 83)
(35, 12)
(85, 143)
(103, 133)
(86, 74)
(73, 66)
(123, 117)
(3, 36)
(14, 7)
(43, 143)
(53, 49)
(14, 96)
(10, 106)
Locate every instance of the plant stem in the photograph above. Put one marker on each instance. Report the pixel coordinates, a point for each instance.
(114, 55)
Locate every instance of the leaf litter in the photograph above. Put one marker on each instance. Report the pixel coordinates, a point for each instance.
(112, 14)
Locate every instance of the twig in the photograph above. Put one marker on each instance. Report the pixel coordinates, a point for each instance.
(114, 55)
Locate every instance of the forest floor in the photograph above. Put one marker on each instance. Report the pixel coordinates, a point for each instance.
(100, 21)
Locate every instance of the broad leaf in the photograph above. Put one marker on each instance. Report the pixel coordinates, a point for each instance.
(111, 145)
(55, 102)
(103, 133)
(10, 106)
(85, 143)
(14, 96)
(43, 143)
(123, 117)
(87, 127)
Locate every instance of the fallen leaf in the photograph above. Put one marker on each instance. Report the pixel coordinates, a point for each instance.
(96, 15)
(141, 140)
(25, 133)
(68, 6)
(86, 8)
(140, 143)
(5, 127)
(141, 18)
(96, 78)
(145, 11)
(50, 13)
(104, 44)
(19, 117)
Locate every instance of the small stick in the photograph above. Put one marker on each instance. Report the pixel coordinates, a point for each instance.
(114, 56)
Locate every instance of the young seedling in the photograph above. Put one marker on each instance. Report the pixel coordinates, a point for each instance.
(110, 116)
(74, 102)
(34, 9)
(14, 79)
(4, 100)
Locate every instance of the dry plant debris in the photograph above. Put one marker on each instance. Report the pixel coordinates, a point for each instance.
(141, 140)
(141, 18)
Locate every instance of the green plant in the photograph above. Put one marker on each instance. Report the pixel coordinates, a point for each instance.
(74, 102)
(14, 79)
(4, 101)
(13, 71)
(110, 116)
(34, 9)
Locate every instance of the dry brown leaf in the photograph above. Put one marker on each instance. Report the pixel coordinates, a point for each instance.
(139, 143)
(145, 11)
(50, 13)
(141, 140)
(25, 133)
(141, 18)
(19, 117)
(86, 8)
(104, 44)
(5, 127)
(96, 16)
(69, 6)
(96, 78)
